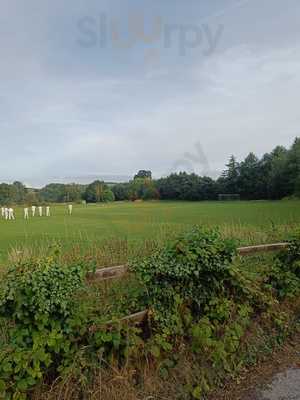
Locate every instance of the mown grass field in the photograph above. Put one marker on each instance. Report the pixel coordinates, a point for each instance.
(251, 222)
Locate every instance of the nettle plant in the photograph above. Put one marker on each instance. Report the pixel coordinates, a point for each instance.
(37, 303)
(183, 277)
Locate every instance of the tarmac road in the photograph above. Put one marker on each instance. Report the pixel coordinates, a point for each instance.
(284, 386)
(277, 378)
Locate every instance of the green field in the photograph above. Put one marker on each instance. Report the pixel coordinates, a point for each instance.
(251, 222)
(245, 316)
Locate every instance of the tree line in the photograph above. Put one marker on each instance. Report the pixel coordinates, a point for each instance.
(273, 176)
(17, 193)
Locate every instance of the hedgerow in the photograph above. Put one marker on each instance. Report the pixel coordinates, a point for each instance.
(200, 301)
(38, 301)
(189, 272)
(284, 276)
(49, 325)
(199, 297)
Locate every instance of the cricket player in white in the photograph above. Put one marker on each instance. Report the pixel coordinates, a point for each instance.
(40, 211)
(70, 207)
(33, 208)
(6, 212)
(3, 212)
(26, 213)
(47, 211)
(11, 213)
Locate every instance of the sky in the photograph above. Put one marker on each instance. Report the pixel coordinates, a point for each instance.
(101, 89)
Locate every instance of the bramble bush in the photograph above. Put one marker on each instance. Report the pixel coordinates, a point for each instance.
(48, 327)
(197, 268)
(284, 276)
(198, 296)
(290, 258)
(187, 273)
(37, 300)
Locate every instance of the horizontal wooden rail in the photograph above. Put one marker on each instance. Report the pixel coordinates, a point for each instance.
(262, 248)
(139, 317)
(103, 274)
(108, 273)
(136, 318)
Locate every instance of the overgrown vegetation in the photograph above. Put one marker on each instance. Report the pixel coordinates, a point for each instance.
(199, 297)
(50, 324)
(210, 315)
(188, 273)
(37, 301)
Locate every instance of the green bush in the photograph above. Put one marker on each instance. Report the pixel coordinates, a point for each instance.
(205, 304)
(108, 196)
(33, 293)
(51, 327)
(284, 276)
(290, 258)
(37, 302)
(187, 273)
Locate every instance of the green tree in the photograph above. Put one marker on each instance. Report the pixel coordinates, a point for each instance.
(53, 193)
(5, 194)
(108, 195)
(98, 192)
(292, 172)
(273, 170)
(297, 187)
(73, 193)
(185, 186)
(143, 174)
(32, 197)
(121, 191)
(250, 178)
(150, 193)
(231, 177)
(18, 192)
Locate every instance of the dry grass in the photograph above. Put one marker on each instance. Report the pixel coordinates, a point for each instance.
(116, 251)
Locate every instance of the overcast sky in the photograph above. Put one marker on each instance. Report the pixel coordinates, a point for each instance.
(99, 88)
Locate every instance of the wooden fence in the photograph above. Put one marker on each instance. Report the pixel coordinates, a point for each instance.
(104, 274)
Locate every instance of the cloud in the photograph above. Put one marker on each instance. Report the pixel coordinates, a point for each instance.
(71, 111)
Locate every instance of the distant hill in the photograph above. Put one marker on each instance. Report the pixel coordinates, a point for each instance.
(79, 179)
